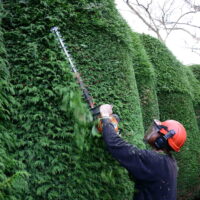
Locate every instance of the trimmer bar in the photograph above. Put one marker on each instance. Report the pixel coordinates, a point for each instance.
(88, 98)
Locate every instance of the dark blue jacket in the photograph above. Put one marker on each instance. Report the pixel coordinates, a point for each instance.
(154, 174)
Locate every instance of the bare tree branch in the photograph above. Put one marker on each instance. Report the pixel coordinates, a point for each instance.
(171, 15)
(194, 36)
(194, 6)
(146, 9)
(194, 49)
(154, 27)
(176, 23)
(185, 24)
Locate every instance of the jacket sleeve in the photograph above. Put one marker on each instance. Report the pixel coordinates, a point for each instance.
(140, 163)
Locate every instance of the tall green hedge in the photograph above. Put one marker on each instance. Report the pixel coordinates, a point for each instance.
(13, 177)
(196, 72)
(193, 85)
(146, 82)
(176, 102)
(64, 157)
(196, 87)
(47, 133)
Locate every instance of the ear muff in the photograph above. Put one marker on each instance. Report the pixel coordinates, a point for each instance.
(161, 142)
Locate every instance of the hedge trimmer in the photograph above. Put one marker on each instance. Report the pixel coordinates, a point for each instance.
(114, 119)
(87, 96)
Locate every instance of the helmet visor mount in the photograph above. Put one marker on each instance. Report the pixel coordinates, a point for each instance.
(152, 130)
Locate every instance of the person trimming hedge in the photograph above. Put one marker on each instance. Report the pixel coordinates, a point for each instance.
(154, 171)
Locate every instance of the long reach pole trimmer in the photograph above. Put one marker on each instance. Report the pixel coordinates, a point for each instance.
(87, 96)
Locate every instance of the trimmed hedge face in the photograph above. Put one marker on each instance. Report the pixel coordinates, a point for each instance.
(49, 127)
(64, 158)
(167, 67)
(196, 71)
(146, 82)
(193, 85)
(12, 177)
(175, 102)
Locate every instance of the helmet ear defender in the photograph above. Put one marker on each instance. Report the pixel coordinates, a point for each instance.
(161, 141)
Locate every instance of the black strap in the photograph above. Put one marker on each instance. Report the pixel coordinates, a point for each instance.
(163, 127)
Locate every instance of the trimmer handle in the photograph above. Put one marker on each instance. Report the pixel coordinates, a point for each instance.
(95, 111)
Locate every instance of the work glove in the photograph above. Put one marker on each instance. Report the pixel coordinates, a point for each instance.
(106, 113)
(106, 110)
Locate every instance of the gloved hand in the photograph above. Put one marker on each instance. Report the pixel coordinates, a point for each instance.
(106, 110)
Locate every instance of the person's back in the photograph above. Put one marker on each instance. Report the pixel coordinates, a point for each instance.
(163, 185)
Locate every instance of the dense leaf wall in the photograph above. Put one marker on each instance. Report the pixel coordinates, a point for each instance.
(146, 82)
(49, 128)
(193, 85)
(176, 102)
(12, 176)
(63, 158)
(196, 72)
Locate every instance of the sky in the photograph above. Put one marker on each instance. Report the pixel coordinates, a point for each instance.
(176, 41)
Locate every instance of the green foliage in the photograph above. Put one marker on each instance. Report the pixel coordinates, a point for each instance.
(169, 71)
(64, 156)
(13, 177)
(175, 97)
(196, 72)
(146, 82)
(193, 85)
(48, 143)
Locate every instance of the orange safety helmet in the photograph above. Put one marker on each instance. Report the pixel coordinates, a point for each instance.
(179, 138)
